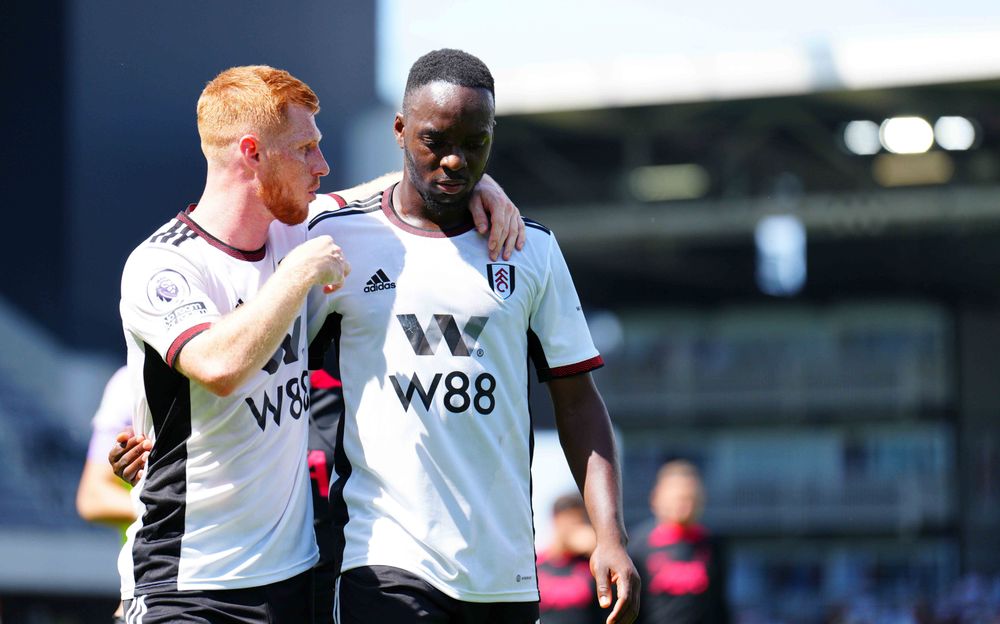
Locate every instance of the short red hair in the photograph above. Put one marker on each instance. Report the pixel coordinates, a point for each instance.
(252, 99)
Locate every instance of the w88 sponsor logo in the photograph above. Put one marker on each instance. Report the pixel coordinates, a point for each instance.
(295, 389)
(460, 393)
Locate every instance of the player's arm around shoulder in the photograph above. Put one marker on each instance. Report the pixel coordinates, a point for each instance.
(492, 211)
(588, 441)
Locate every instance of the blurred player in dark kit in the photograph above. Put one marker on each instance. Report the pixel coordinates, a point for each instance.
(682, 568)
(325, 411)
(565, 584)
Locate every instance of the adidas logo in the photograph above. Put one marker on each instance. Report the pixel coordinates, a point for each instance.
(379, 281)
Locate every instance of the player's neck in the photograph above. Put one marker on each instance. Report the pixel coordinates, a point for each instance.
(412, 209)
(233, 213)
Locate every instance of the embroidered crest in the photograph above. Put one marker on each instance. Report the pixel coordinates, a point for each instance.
(501, 278)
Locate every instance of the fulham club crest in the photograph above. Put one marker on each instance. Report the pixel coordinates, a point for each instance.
(501, 279)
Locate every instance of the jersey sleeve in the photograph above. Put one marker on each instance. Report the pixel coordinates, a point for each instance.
(113, 415)
(559, 341)
(165, 301)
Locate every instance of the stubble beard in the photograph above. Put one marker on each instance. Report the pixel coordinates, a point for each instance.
(436, 210)
(280, 200)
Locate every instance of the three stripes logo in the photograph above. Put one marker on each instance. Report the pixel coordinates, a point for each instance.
(175, 234)
(379, 281)
(425, 341)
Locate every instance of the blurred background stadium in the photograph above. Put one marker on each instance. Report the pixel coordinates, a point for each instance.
(783, 219)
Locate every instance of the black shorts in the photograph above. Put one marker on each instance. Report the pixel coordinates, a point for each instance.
(389, 595)
(324, 581)
(284, 602)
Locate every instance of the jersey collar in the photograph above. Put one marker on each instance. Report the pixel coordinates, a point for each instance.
(390, 214)
(249, 256)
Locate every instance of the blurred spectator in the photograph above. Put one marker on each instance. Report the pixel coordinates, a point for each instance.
(566, 586)
(102, 496)
(683, 576)
(326, 405)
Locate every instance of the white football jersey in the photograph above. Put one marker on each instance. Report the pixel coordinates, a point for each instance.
(434, 455)
(225, 500)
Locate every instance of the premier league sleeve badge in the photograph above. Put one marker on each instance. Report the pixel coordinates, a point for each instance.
(167, 288)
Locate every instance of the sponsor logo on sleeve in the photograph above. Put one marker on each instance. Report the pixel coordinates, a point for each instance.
(166, 288)
(184, 312)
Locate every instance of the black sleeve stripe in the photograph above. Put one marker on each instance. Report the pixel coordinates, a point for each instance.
(328, 334)
(537, 356)
(535, 224)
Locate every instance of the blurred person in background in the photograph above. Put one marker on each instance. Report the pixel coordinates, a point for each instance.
(326, 398)
(565, 584)
(682, 569)
(102, 496)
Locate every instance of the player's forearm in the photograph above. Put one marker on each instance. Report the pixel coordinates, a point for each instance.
(239, 344)
(588, 442)
(101, 497)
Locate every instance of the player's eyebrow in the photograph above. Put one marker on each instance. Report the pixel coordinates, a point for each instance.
(311, 140)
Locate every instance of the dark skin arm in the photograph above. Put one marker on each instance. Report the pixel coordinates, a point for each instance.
(589, 444)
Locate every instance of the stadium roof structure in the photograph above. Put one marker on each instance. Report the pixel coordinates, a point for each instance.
(678, 189)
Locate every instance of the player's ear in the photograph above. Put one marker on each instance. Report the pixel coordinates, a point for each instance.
(250, 150)
(397, 128)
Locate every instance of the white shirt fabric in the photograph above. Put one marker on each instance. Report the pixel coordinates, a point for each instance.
(225, 501)
(113, 415)
(433, 466)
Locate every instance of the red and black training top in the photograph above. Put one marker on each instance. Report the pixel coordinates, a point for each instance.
(567, 590)
(683, 575)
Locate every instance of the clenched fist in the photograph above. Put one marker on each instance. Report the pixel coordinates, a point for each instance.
(320, 261)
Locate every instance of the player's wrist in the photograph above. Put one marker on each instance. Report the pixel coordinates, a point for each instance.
(298, 276)
(615, 537)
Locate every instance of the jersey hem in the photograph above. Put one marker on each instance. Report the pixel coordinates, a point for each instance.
(241, 583)
(451, 592)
